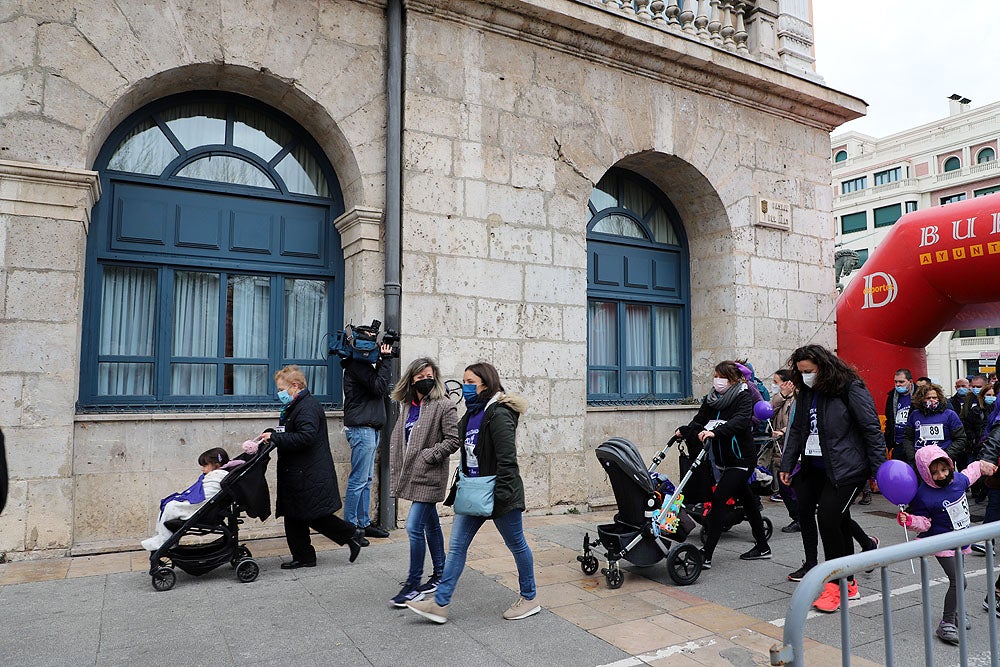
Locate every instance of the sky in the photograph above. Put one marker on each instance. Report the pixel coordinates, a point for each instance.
(905, 57)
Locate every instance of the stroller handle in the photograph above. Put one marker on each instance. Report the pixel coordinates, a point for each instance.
(662, 454)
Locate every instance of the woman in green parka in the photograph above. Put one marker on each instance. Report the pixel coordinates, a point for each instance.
(488, 430)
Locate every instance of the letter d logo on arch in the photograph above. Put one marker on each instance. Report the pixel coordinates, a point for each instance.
(880, 290)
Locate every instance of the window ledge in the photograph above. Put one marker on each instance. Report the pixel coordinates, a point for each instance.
(641, 407)
(188, 416)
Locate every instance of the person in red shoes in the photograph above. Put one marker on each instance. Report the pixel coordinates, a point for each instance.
(836, 439)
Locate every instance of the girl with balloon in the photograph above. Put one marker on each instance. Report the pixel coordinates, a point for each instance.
(836, 438)
(937, 505)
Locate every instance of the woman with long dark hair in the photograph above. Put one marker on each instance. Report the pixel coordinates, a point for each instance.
(836, 437)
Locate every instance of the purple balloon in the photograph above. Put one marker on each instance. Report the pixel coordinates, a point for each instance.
(897, 481)
(763, 411)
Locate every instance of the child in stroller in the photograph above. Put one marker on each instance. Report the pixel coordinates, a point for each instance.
(218, 516)
(183, 505)
(650, 514)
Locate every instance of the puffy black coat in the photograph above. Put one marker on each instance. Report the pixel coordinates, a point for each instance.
(307, 480)
(733, 445)
(497, 451)
(365, 390)
(850, 435)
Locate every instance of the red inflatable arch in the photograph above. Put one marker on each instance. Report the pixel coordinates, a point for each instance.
(936, 270)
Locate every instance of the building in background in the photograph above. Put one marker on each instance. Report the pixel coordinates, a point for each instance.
(602, 198)
(876, 181)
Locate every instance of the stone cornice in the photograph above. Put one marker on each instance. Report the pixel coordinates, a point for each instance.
(44, 191)
(592, 33)
(360, 230)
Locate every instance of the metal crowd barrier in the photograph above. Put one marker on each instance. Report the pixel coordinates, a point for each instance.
(792, 654)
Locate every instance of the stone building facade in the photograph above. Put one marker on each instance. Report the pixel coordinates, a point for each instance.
(514, 110)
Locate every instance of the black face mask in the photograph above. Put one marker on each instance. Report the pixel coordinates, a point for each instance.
(946, 482)
(424, 386)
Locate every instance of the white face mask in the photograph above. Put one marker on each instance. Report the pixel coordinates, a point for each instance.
(720, 385)
(775, 389)
(809, 379)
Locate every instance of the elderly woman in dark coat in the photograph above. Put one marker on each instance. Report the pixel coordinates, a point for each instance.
(308, 494)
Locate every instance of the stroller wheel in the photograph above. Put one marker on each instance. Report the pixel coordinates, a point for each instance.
(164, 579)
(768, 528)
(615, 578)
(247, 570)
(684, 563)
(241, 553)
(703, 535)
(588, 564)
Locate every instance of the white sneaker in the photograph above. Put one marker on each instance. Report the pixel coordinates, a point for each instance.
(522, 609)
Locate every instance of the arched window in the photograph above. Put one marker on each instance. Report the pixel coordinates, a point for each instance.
(840, 156)
(986, 155)
(638, 336)
(212, 259)
(952, 164)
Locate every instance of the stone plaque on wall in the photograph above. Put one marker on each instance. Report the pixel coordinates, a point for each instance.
(774, 213)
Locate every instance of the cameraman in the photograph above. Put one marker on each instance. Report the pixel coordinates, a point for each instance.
(366, 387)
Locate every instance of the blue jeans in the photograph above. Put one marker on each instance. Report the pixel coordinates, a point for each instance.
(357, 501)
(462, 532)
(424, 528)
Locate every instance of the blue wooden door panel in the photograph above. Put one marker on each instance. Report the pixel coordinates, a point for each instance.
(251, 231)
(198, 227)
(151, 220)
(645, 272)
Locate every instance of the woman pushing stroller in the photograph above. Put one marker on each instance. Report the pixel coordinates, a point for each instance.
(724, 419)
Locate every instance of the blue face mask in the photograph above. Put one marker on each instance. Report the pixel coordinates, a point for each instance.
(469, 392)
(902, 390)
(284, 397)
(989, 400)
(962, 391)
(976, 390)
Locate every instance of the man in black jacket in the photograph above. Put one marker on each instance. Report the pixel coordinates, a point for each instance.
(366, 387)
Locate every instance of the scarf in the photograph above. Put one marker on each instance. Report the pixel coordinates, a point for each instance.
(720, 402)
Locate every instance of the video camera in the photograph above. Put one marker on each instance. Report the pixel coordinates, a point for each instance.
(361, 342)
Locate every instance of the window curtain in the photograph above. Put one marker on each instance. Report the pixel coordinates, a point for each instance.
(638, 349)
(602, 347)
(249, 305)
(196, 332)
(667, 348)
(306, 327)
(128, 320)
(302, 173)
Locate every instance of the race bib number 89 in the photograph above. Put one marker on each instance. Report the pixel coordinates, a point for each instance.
(932, 432)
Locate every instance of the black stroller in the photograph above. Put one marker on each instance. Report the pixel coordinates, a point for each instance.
(636, 534)
(244, 489)
(699, 495)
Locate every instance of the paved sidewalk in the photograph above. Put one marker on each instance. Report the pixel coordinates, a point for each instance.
(102, 610)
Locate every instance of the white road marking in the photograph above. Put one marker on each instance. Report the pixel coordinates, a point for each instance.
(877, 597)
(635, 661)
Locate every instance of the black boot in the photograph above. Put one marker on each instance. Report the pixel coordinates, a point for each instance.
(359, 537)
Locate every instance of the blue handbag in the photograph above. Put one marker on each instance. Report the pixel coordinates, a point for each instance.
(475, 495)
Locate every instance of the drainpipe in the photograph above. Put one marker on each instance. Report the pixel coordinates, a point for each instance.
(393, 231)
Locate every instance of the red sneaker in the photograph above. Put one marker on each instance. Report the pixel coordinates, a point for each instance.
(852, 591)
(829, 600)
